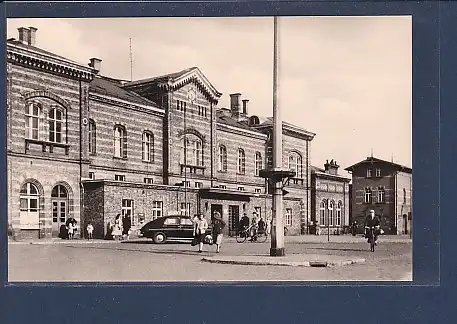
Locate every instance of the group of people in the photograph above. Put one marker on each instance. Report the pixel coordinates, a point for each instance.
(256, 227)
(120, 230)
(200, 227)
(67, 230)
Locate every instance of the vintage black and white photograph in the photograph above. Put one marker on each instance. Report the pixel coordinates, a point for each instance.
(232, 150)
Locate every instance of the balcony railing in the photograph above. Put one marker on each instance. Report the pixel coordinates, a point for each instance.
(192, 169)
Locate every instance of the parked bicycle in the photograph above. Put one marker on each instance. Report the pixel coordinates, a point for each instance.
(256, 236)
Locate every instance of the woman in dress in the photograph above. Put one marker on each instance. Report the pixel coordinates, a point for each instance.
(117, 230)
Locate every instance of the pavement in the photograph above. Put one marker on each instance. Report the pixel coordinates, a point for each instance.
(294, 260)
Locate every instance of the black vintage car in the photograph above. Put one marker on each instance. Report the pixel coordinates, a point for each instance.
(171, 228)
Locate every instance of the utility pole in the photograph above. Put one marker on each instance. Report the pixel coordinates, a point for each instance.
(131, 61)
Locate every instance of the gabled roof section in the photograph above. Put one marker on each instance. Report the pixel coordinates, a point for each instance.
(112, 87)
(36, 58)
(242, 125)
(176, 80)
(372, 160)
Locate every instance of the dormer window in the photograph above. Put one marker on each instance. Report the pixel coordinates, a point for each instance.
(378, 173)
(369, 173)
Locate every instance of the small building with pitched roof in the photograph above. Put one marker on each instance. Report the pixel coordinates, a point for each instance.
(385, 187)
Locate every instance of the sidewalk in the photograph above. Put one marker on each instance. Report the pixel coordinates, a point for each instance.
(293, 260)
(337, 239)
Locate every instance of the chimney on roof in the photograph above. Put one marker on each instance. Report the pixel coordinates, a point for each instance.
(95, 63)
(23, 35)
(235, 104)
(32, 36)
(331, 167)
(245, 106)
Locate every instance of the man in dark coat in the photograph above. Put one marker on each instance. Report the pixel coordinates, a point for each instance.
(244, 222)
(126, 225)
(372, 221)
(218, 226)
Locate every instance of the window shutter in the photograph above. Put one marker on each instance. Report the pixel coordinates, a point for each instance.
(124, 144)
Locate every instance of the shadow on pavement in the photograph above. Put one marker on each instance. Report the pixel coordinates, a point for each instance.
(182, 252)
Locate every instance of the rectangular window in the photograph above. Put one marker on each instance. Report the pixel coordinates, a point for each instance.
(183, 209)
(241, 188)
(32, 114)
(258, 190)
(92, 137)
(198, 184)
(222, 186)
(119, 177)
(288, 217)
(149, 180)
(186, 183)
(127, 209)
(157, 209)
(378, 173)
(369, 173)
(92, 175)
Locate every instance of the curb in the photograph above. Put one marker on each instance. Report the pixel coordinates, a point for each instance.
(311, 263)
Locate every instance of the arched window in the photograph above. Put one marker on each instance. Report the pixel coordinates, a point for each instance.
(338, 214)
(148, 147)
(191, 152)
(120, 142)
(296, 164)
(32, 120)
(92, 137)
(322, 213)
(368, 195)
(29, 206)
(330, 213)
(381, 194)
(222, 158)
(56, 118)
(241, 165)
(258, 163)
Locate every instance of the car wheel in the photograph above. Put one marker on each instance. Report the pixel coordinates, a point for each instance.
(159, 238)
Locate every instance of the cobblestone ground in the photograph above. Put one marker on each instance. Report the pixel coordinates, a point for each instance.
(145, 261)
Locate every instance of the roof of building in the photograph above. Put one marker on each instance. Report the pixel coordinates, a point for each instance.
(371, 159)
(20, 44)
(268, 122)
(168, 76)
(109, 87)
(230, 121)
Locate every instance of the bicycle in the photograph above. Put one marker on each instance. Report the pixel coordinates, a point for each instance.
(371, 237)
(244, 233)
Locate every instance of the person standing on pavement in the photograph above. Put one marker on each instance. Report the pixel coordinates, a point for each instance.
(200, 227)
(117, 231)
(90, 230)
(318, 229)
(126, 225)
(218, 226)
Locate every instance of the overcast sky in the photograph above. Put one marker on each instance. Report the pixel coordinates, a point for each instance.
(347, 79)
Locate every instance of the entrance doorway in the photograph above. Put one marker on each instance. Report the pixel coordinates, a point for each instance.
(59, 201)
(233, 219)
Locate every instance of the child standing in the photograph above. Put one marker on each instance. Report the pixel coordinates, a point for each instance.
(90, 230)
(70, 230)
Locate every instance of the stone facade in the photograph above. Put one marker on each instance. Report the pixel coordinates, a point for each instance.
(122, 149)
(330, 199)
(47, 99)
(385, 187)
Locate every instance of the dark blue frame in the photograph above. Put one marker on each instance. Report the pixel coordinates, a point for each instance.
(434, 138)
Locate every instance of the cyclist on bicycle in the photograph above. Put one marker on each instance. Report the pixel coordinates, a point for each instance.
(244, 222)
(372, 221)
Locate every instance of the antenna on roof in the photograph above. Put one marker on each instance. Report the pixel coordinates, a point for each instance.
(392, 158)
(131, 61)
(371, 152)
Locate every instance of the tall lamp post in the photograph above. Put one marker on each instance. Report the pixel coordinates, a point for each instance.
(276, 175)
